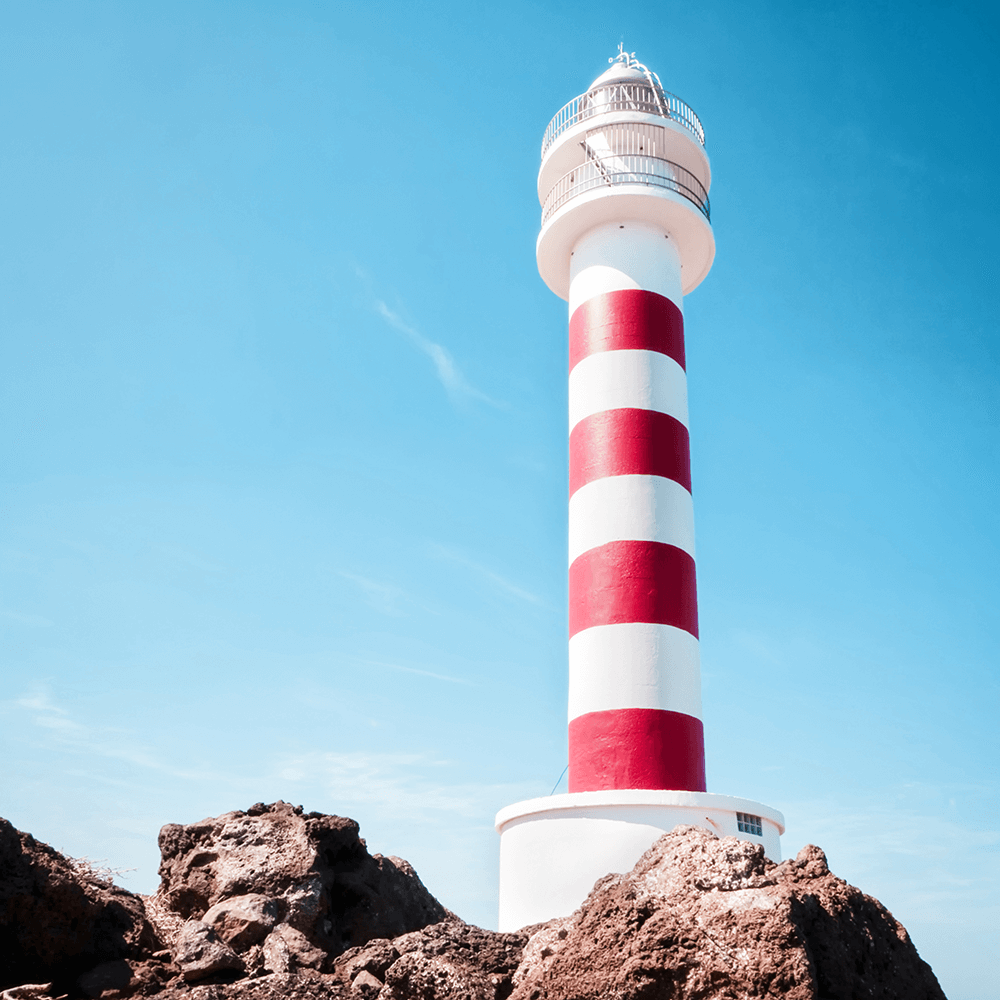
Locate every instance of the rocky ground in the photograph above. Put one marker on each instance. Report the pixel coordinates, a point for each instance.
(277, 903)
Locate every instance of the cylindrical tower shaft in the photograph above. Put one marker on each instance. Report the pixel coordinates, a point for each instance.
(625, 234)
(634, 675)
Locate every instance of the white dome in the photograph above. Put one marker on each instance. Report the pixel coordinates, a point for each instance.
(618, 73)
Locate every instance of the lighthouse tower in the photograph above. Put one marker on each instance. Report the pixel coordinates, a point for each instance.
(626, 234)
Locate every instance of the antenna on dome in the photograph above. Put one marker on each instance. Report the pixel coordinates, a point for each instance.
(628, 58)
(629, 61)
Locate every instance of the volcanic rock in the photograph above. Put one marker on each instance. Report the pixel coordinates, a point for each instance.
(700, 917)
(446, 961)
(243, 920)
(274, 904)
(59, 918)
(314, 868)
(199, 953)
(288, 950)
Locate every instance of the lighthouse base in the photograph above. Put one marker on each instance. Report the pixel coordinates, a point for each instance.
(553, 850)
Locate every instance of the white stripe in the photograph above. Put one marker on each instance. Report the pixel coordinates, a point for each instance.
(643, 508)
(612, 257)
(646, 380)
(634, 665)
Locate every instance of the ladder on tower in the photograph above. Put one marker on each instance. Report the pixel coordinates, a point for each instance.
(597, 161)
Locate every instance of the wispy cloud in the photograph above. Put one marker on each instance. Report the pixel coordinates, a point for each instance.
(416, 670)
(413, 785)
(907, 848)
(384, 597)
(500, 582)
(98, 741)
(454, 382)
(19, 618)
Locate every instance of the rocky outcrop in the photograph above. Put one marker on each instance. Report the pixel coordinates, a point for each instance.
(274, 903)
(301, 886)
(451, 960)
(700, 917)
(59, 918)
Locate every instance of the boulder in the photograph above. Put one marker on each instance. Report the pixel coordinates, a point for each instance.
(374, 958)
(366, 985)
(287, 949)
(699, 917)
(200, 954)
(59, 918)
(453, 960)
(242, 921)
(315, 868)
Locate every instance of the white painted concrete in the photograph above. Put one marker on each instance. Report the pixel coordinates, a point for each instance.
(623, 204)
(675, 143)
(639, 507)
(655, 666)
(616, 255)
(553, 850)
(610, 380)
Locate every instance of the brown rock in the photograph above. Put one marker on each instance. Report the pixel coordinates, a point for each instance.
(106, 977)
(287, 949)
(316, 867)
(305, 985)
(453, 959)
(58, 918)
(200, 953)
(242, 921)
(374, 957)
(28, 991)
(366, 985)
(417, 976)
(700, 917)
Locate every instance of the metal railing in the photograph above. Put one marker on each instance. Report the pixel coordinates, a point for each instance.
(614, 171)
(640, 96)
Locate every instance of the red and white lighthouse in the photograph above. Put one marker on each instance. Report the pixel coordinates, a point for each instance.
(625, 235)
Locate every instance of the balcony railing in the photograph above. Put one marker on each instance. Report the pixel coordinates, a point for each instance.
(640, 97)
(614, 171)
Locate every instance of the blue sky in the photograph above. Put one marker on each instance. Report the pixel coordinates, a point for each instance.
(284, 449)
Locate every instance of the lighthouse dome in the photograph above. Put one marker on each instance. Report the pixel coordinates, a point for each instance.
(618, 73)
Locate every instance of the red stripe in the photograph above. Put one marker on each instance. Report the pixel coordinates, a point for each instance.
(636, 748)
(629, 319)
(629, 442)
(633, 581)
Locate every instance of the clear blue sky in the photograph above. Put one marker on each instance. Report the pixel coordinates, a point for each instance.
(284, 432)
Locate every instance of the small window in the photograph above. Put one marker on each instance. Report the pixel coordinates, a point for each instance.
(746, 823)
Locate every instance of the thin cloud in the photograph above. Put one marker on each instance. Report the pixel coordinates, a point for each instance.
(414, 785)
(501, 582)
(415, 670)
(454, 382)
(383, 597)
(97, 741)
(32, 621)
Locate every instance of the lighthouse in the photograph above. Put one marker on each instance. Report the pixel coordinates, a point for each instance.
(626, 233)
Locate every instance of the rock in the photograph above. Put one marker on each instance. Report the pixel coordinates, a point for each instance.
(417, 976)
(242, 921)
(374, 957)
(28, 991)
(700, 917)
(315, 867)
(106, 977)
(306, 985)
(272, 904)
(365, 984)
(453, 959)
(59, 919)
(287, 949)
(200, 953)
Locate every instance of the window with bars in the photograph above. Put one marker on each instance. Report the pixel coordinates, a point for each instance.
(746, 823)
